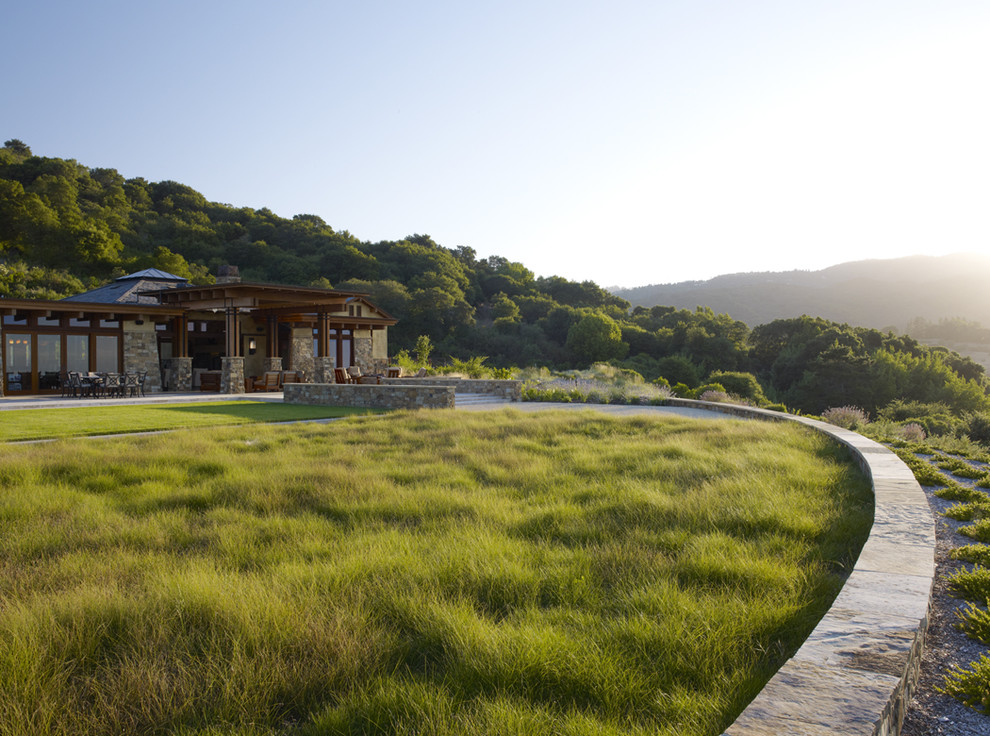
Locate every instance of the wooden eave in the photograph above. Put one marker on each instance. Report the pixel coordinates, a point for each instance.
(254, 296)
(121, 311)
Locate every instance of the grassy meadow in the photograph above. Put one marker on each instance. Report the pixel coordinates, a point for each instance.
(422, 573)
(37, 424)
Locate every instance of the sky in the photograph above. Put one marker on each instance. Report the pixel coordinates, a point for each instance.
(628, 143)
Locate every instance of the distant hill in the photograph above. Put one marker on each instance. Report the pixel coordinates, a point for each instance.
(874, 293)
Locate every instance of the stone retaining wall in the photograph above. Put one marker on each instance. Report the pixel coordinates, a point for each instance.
(509, 390)
(856, 672)
(370, 396)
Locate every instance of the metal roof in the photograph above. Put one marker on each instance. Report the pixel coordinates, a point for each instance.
(127, 289)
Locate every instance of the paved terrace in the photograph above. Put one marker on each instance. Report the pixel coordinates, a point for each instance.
(857, 670)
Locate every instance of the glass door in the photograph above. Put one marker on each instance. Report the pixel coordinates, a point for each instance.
(49, 351)
(17, 370)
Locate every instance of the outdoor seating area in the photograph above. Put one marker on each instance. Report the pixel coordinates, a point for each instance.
(272, 380)
(354, 375)
(103, 385)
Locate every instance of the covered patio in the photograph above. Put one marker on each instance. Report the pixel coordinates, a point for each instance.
(178, 333)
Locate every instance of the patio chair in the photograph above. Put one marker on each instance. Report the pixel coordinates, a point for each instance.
(209, 381)
(340, 376)
(269, 382)
(354, 374)
(73, 385)
(112, 385)
(131, 386)
(394, 372)
(421, 373)
(142, 377)
(289, 377)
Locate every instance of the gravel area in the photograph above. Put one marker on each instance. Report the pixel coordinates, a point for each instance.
(932, 712)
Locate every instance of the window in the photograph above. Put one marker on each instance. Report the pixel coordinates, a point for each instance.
(77, 353)
(107, 359)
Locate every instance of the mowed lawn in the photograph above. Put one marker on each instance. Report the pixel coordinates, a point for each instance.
(421, 573)
(34, 424)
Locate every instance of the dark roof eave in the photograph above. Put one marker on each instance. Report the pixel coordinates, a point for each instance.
(47, 305)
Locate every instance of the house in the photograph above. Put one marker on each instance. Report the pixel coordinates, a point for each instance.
(160, 323)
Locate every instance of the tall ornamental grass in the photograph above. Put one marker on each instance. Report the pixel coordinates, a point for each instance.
(430, 573)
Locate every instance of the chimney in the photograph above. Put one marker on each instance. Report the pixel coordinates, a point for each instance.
(228, 275)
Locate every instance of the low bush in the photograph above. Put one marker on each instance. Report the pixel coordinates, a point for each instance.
(935, 418)
(743, 385)
(973, 585)
(913, 432)
(977, 427)
(847, 417)
(971, 686)
(978, 554)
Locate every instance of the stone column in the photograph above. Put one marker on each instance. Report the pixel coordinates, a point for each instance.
(323, 370)
(363, 351)
(301, 350)
(180, 374)
(141, 354)
(232, 378)
(272, 364)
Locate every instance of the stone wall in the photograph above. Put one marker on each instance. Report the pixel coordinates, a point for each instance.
(370, 396)
(141, 354)
(506, 389)
(301, 350)
(232, 378)
(322, 370)
(178, 372)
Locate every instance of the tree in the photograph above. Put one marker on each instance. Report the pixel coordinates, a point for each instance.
(596, 337)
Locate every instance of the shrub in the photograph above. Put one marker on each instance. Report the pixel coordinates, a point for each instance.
(502, 374)
(682, 390)
(847, 417)
(708, 387)
(717, 396)
(977, 428)
(740, 384)
(913, 432)
(935, 418)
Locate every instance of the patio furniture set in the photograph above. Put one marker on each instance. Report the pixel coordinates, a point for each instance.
(103, 385)
(354, 375)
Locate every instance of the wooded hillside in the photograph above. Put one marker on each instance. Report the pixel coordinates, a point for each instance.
(65, 228)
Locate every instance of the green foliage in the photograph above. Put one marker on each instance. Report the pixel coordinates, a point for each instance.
(978, 554)
(973, 585)
(976, 426)
(424, 346)
(596, 337)
(971, 686)
(741, 384)
(935, 418)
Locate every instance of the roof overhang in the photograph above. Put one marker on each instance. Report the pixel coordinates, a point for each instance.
(48, 307)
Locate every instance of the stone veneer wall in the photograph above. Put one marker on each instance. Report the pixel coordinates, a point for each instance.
(322, 370)
(271, 364)
(301, 350)
(232, 377)
(507, 389)
(141, 354)
(856, 672)
(179, 372)
(370, 396)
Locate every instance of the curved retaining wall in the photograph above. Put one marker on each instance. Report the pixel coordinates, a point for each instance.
(856, 672)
